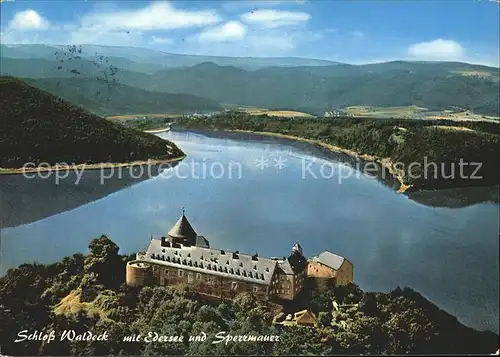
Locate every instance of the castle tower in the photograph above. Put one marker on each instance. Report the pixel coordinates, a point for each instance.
(182, 232)
(297, 248)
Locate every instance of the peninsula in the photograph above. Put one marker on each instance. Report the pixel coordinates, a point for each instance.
(37, 127)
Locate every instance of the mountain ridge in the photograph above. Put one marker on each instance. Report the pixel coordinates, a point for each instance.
(433, 85)
(25, 47)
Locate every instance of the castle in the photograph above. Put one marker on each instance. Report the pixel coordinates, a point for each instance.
(185, 257)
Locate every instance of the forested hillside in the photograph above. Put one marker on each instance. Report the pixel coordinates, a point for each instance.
(289, 83)
(39, 127)
(110, 97)
(390, 141)
(338, 86)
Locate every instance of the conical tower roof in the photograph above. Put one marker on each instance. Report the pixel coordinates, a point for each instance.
(183, 230)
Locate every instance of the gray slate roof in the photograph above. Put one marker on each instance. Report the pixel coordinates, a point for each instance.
(331, 260)
(286, 267)
(202, 242)
(182, 229)
(198, 259)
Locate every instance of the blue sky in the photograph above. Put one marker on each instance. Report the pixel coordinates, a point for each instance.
(347, 31)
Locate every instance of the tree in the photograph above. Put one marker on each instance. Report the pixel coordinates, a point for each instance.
(105, 263)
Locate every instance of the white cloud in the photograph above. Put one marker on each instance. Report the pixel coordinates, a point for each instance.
(275, 18)
(357, 34)
(162, 40)
(230, 31)
(28, 20)
(156, 16)
(437, 49)
(245, 4)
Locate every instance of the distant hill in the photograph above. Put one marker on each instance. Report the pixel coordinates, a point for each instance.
(433, 86)
(39, 127)
(106, 98)
(158, 58)
(282, 83)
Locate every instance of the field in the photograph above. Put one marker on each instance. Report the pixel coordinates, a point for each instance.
(274, 113)
(481, 74)
(385, 112)
(446, 127)
(414, 112)
(143, 116)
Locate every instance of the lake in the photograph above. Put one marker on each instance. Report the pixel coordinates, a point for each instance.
(263, 195)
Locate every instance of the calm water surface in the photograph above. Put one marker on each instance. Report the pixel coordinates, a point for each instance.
(449, 255)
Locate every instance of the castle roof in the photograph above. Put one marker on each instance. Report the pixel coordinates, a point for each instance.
(183, 230)
(293, 264)
(212, 261)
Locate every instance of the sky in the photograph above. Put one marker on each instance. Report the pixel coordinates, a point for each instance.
(346, 31)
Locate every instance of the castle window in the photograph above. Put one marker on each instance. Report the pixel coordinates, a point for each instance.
(189, 255)
(220, 269)
(255, 267)
(163, 257)
(227, 262)
(250, 274)
(262, 276)
(168, 258)
(208, 267)
(190, 263)
(163, 250)
(201, 265)
(225, 269)
(234, 285)
(255, 288)
(238, 272)
(201, 258)
(181, 273)
(244, 273)
(231, 271)
(196, 264)
(175, 252)
(267, 270)
(198, 276)
(184, 261)
(241, 264)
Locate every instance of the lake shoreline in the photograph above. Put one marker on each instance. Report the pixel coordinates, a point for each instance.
(384, 162)
(103, 165)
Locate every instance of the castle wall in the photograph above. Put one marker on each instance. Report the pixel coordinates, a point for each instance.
(318, 270)
(324, 276)
(345, 274)
(206, 284)
(138, 273)
(288, 286)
